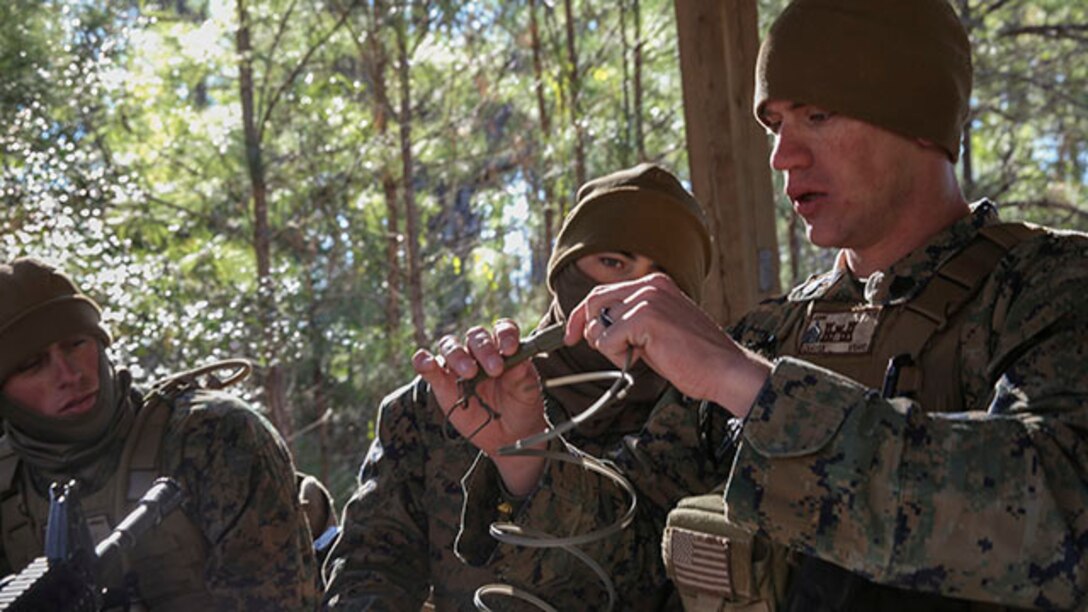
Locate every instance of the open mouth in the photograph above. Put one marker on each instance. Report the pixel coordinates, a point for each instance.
(806, 202)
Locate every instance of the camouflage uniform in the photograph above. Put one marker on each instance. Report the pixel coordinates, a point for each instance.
(986, 502)
(401, 523)
(240, 476)
(253, 549)
(240, 540)
(398, 527)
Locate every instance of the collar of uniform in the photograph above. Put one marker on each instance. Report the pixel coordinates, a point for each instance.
(906, 277)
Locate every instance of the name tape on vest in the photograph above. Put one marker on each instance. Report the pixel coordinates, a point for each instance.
(840, 333)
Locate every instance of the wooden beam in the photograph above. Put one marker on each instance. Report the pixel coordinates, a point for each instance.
(728, 151)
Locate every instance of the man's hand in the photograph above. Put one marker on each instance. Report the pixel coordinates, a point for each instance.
(675, 338)
(514, 394)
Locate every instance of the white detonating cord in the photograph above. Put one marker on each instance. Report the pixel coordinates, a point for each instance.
(511, 533)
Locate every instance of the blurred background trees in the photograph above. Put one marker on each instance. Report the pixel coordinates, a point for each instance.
(323, 185)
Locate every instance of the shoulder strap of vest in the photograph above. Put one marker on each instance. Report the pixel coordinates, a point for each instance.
(954, 284)
(140, 457)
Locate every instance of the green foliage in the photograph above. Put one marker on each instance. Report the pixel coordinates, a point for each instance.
(124, 160)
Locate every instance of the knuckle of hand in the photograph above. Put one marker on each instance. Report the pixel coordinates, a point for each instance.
(478, 336)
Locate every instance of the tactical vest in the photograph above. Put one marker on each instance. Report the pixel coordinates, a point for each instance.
(165, 571)
(887, 348)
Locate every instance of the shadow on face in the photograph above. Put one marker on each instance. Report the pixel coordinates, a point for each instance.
(61, 380)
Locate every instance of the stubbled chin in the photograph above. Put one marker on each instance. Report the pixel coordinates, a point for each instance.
(819, 238)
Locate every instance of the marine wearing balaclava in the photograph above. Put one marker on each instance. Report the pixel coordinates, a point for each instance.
(642, 210)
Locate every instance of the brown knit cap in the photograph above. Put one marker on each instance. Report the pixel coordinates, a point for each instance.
(642, 210)
(904, 65)
(40, 306)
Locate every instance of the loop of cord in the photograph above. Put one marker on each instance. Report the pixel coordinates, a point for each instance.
(511, 533)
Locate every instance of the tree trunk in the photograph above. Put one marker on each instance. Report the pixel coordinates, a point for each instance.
(548, 226)
(625, 87)
(321, 404)
(273, 380)
(728, 152)
(411, 215)
(393, 275)
(574, 80)
(377, 62)
(640, 140)
(968, 159)
(968, 162)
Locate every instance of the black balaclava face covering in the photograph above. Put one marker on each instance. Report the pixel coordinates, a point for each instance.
(62, 446)
(571, 286)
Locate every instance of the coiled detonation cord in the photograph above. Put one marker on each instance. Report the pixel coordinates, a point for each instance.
(544, 340)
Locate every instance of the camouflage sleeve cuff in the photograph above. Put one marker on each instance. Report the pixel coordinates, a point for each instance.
(800, 409)
(816, 443)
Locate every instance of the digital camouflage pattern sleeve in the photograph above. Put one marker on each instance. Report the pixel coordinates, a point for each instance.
(988, 504)
(680, 451)
(240, 484)
(399, 525)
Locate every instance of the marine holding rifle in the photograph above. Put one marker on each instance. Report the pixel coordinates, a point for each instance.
(240, 540)
(401, 523)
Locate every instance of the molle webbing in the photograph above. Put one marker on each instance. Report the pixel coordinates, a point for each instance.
(919, 335)
(951, 288)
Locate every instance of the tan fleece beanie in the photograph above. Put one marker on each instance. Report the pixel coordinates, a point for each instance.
(904, 65)
(39, 306)
(642, 210)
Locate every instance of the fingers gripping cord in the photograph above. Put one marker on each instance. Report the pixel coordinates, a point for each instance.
(541, 341)
(511, 533)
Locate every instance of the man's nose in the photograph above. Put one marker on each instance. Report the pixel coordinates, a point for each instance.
(790, 151)
(65, 368)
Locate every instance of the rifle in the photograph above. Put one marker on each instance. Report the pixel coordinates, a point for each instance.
(67, 576)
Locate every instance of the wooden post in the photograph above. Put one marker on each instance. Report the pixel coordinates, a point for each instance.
(728, 152)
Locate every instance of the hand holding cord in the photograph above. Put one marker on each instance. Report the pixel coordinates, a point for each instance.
(544, 340)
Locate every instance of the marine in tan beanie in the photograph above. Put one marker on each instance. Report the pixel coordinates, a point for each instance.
(240, 541)
(903, 65)
(39, 306)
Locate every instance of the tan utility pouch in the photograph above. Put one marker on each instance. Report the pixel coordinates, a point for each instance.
(717, 566)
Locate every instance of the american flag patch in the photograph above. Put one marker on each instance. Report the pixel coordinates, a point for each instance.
(699, 561)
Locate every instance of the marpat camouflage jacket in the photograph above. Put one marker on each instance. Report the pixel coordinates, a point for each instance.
(989, 503)
(241, 494)
(401, 522)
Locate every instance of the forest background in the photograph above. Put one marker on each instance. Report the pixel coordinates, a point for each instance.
(324, 185)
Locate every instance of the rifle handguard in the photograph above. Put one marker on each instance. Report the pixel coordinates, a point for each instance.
(161, 499)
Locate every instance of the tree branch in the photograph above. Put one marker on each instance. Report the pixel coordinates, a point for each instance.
(1048, 204)
(1072, 31)
(298, 68)
(271, 51)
